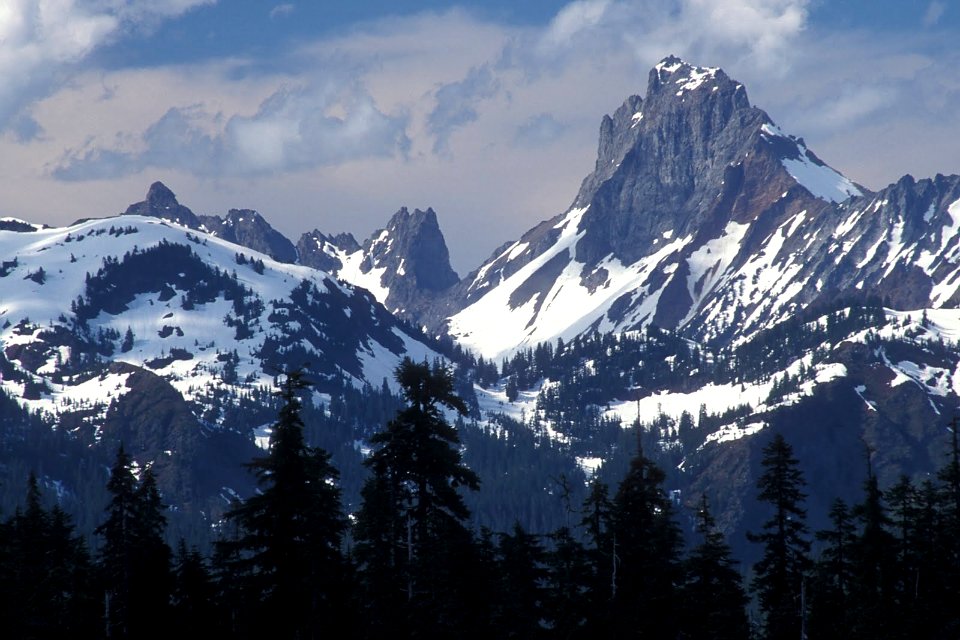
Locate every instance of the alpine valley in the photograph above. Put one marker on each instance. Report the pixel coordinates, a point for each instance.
(713, 282)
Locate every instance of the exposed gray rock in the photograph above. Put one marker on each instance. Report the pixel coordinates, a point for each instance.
(162, 203)
(248, 228)
(729, 224)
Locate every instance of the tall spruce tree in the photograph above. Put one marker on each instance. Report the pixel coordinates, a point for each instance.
(833, 575)
(779, 575)
(287, 558)
(597, 524)
(523, 575)
(195, 605)
(45, 589)
(647, 545)
(713, 598)
(570, 576)
(949, 482)
(875, 611)
(134, 559)
(410, 530)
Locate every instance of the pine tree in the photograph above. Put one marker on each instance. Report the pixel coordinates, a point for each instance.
(287, 558)
(949, 482)
(875, 610)
(597, 524)
(134, 559)
(833, 575)
(520, 564)
(152, 581)
(647, 546)
(779, 575)
(570, 576)
(44, 574)
(714, 600)
(195, 606)
(410, 529)
(127, 343)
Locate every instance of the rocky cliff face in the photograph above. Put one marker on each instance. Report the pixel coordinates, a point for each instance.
(162, 203)
(244, 227)
(248, 228)
(702, 216)
(406, 265)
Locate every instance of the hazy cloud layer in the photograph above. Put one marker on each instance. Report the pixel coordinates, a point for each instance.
(934, 12)
(457, 104)
(539, 131)
(293, 129)
(41, 41)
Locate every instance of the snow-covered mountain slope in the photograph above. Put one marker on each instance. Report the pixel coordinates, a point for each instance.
(406, 265)
(702, 216)
(837, 384)
(205, 314)
(245, 227)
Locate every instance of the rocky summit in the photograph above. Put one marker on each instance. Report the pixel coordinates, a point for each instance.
(406, 265)
(704, 217)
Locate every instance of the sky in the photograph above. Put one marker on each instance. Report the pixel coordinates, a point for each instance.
(332, 115)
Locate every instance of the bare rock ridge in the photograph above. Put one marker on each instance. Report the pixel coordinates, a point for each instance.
(248, 228)
(162, 203)
(406, 264)
(701, 215)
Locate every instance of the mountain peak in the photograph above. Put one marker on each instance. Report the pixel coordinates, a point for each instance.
(162, 203)
(690, 181)
(248, 228)
(679, 77)
(415, 241)
(160, 194)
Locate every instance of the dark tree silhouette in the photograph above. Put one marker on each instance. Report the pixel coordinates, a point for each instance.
(647, 545)
(287, 557)
(134, 559)
(714, 600)
(779, 575)
(410, 529)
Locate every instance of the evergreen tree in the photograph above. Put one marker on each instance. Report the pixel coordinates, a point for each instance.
(134, 559)
(779, 575)
(287, 557)
(520, 565)
(647, 546)
(570, 576)
(410, 529)
(597, 524)
(875, 610)
(44, 574)
(127, 343)
(949, 481)
(714, 600)
(833, 575)
(194, 595)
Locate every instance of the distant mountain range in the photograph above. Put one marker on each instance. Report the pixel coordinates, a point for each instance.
(712, 279)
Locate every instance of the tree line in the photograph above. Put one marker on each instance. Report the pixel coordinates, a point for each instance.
(290, 563)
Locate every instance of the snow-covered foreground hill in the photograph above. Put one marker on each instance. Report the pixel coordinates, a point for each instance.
(199, 311)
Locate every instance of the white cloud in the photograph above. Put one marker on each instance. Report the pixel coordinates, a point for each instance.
(854, 104)
(576, 17)
(41, 40)
(457, 104)
(295, 128)
(281, 10)
(934, 12)
(759, 31)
